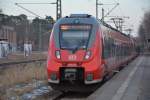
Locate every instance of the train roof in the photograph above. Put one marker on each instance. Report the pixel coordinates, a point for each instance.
(109, 26)
(90, 16)
(73, 19)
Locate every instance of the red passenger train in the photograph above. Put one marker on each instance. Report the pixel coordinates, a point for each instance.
(83, 51)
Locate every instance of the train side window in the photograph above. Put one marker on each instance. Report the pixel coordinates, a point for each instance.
(106, 48)
(103, 48)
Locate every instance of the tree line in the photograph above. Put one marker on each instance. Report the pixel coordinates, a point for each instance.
(144, 31)
(36, 31)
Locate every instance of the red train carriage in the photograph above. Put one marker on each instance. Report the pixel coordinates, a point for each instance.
(83, 50)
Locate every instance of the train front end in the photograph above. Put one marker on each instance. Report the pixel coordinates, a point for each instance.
(74, 56)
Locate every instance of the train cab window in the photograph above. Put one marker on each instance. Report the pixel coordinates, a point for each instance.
(74, 37)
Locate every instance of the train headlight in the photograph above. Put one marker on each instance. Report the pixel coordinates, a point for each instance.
(89, 77)
(53, 76)
(57, 53)
(87, 55)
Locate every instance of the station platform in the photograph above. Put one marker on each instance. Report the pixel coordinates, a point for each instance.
(131, 83)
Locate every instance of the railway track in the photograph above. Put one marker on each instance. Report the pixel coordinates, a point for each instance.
(72, 95)
(3, 65)
(57, 95)
(45, 92)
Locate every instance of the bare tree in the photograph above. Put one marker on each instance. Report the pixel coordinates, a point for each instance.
(1, 11)
(144, 31)
(146, 23)
(141, 32)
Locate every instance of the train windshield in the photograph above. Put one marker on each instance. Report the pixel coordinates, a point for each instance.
(74, 36)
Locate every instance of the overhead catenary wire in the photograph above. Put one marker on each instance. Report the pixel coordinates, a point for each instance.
(111, 10)
(35, 3)
(28, 10)
(58, 4)
(127, 17)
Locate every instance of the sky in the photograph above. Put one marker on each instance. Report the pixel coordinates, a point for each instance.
(134, 9)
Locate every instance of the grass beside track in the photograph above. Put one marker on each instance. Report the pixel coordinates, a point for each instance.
(21, 74)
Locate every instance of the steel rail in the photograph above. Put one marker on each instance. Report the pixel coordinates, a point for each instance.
(20, 62)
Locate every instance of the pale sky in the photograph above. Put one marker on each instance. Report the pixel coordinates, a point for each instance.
(132, 8)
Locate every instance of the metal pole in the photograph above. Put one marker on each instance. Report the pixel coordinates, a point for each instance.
(26, 31)
(96, 9)
(102, 14)
(121, 24)
(58, 10)
(40, 37)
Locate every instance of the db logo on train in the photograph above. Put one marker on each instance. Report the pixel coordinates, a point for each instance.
(72, 57)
